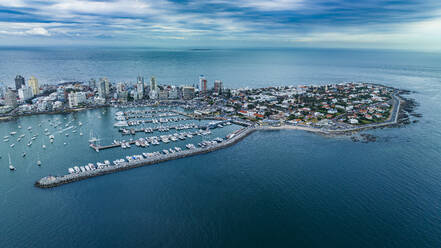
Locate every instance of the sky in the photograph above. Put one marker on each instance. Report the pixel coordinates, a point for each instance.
(397, 24)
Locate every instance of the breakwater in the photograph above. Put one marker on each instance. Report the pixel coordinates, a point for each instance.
(54, 181)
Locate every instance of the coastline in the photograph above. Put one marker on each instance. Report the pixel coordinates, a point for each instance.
(66, 111)
(54, 181)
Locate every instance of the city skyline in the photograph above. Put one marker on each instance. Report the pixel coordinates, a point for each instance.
(412, 25)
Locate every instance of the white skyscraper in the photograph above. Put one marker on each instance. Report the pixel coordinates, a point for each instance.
(140, 89)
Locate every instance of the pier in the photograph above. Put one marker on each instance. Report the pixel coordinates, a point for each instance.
(54, 181)
(98, 147)
(231, 139)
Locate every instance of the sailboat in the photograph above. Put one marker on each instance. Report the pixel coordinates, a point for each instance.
(11, 167)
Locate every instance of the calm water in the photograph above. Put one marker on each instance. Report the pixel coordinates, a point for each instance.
(273, 189)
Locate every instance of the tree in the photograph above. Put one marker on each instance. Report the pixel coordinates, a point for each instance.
(291, 117)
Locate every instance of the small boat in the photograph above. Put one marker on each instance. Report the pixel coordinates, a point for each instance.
(39, 163)
(12, 133)
(11, 167)
(30, 143)
(19, 126)
(81, 134)
(65, 143)
(12, 145)
(29, 128)
(24, 154)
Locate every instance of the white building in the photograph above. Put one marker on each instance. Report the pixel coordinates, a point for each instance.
(57, 105)
(173, 93)
(25, 93)
(76, 98)
(353, 121)
(153, 94)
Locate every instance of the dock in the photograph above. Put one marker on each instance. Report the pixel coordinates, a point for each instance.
(54, 181)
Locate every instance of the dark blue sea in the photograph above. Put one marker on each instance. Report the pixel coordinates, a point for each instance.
(273, 189)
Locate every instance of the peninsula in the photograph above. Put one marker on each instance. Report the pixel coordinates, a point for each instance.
(327, 109)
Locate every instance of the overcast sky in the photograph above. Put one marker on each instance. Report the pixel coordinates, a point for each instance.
(400, 24)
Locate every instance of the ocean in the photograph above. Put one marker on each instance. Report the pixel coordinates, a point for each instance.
(273, 189)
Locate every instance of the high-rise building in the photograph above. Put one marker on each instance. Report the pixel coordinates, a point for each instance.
(202, 83)
(140, 88)
(153, 85)
(187, 92)
(139, 80)
(106, 86)
(33, 83)
(25, 93)
(19, 82)
(102, 93)
(11, 98)
(218, 86)
(92, 83)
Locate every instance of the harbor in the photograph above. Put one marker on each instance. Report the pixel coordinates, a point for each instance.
(139, 160)
(182, 132)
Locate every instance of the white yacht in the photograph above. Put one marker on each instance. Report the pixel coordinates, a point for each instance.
(121, 124)
(12, 145)
(12, 133)
(11, 167)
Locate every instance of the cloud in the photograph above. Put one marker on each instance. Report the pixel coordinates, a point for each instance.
(38, 31)
(373, 22)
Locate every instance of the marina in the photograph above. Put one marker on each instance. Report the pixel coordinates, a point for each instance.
(47, 142)
(134, 161)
